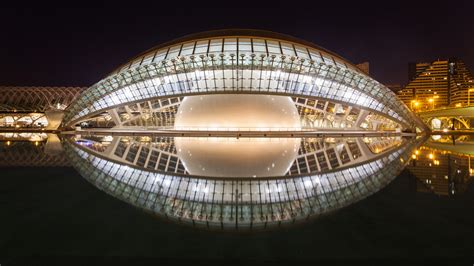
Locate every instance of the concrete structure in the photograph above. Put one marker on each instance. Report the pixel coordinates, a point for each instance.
(456, 118)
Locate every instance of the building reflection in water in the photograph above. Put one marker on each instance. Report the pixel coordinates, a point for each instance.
(327, 174)
(31, 150)
(444, 164)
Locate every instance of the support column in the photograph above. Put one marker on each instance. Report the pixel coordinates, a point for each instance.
(115, 117)
(54, 117)
(362, 115)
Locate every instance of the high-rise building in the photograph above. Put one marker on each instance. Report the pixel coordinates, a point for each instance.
(437, 84)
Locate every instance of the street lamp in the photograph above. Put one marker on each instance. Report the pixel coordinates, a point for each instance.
(431, 100)
(414, 103)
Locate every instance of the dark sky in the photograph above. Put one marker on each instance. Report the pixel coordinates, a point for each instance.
(59, 46)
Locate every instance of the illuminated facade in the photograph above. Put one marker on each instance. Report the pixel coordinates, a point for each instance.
(239, 129)
(35, 107)
(336, 93)
(441, 83)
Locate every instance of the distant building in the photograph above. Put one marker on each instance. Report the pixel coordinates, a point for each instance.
(437, 84)
(364, 67)
(35, 107)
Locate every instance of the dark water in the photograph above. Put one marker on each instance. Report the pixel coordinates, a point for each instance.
(51, 215)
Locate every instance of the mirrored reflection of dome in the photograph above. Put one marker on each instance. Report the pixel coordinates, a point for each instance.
(232, 157)
(244, 157)
(150, 177)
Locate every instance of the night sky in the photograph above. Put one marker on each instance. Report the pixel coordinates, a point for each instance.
(56, 46)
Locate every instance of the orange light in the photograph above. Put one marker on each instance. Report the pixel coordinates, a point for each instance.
(431, 156)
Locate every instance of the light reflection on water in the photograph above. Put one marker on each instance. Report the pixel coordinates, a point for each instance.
(326, 174)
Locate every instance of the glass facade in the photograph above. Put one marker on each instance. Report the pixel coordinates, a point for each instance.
(239, 64)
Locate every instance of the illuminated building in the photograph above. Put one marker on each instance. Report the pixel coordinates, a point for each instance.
(235, 129)
(332, 92)
(35, 107)
(441, 83)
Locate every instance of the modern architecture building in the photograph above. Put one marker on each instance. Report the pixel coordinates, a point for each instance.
(238, 129)
(241, 62)
(35, 107)
(441, 83)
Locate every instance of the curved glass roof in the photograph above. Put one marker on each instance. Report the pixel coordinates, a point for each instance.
(239, 62)
(242, 41)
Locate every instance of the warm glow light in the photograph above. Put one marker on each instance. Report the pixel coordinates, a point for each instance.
(413, 156)
(431, 156)
(430, 100)
(417, 152)
(234, 112)
(458, 105)
(237, 157)
(232, 157)
(8, 143)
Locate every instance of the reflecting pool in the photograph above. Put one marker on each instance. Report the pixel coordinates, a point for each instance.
(375, 193)
(227, 183)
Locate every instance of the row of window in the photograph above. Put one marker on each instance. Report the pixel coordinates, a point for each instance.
(237, 46)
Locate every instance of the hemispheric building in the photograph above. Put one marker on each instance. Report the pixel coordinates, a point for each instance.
(239, 129)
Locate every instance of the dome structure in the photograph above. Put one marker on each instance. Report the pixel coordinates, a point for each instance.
(241, 131)
(240, 61)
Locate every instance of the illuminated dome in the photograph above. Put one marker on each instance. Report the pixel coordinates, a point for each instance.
(238, 129)
(243, 61)
(244, 157)
(238, 112)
